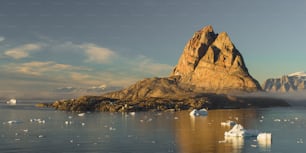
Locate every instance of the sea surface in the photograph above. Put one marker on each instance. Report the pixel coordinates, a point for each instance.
(25, 128)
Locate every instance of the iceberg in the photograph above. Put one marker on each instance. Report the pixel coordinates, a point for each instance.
(264, 141)
(201, 112)
(81, 114)
(239, 131)
(12, 102)
(228, 123)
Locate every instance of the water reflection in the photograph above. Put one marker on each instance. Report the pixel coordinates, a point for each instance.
(236, 143)
(205, 134)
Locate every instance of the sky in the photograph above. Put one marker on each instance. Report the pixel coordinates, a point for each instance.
(67, 48)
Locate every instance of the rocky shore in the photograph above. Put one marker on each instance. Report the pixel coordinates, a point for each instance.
(208, 101)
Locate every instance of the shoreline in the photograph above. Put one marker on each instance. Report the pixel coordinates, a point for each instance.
(208, 101)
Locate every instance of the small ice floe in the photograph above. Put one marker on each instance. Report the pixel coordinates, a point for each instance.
(254, 146)
(68, 122)
(13, 122)
(132, 113)
(228, 123)
(201, 112)
(70, 117)
(25, 130)
(12, 102)
(81, 114)
(112, 129)
(264, 138)
(299, 140)
(38, 120)
(277, 120)
(239, 131)
(264, 141)
(83, 124)
(41, 136)
(176, 118)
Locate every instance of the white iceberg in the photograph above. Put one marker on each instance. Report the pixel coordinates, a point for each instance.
(264, 138)
(201, 112)
(264, 141)
(81, 114)
(239, 131)
(13, 122)
(228, 123)
(12, 102)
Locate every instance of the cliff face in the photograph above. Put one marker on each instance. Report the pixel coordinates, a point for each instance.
(287, 83)
(211, 61)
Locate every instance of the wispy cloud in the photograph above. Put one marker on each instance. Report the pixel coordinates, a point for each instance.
(38, 68)
(97, 54)
(61, 73)
(22, 51)
(149, 66)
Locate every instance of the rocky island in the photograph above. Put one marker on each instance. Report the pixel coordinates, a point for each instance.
(210, 73)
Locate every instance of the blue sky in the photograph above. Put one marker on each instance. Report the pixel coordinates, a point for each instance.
(64, 48)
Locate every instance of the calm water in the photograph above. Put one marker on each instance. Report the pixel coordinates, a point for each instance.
(148, 132)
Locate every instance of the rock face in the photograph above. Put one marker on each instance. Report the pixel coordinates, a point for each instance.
(287, 83)
(211, 61)
(151, 88)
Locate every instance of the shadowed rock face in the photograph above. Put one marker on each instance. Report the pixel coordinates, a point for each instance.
(211, 61)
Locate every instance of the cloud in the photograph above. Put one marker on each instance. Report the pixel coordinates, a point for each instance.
(86, 90)
(2, 38)
(61, 74)
(66, 89)
(99, 88)
(147, 65)
(97, 54)
(38, 68)
(22, 51)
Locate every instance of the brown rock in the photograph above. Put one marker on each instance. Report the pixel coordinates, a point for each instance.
(151, 88)
(211, 62)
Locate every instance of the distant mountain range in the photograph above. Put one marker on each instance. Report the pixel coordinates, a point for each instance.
(287, 83)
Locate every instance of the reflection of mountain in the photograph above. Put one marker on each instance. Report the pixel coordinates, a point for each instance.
(202, 134)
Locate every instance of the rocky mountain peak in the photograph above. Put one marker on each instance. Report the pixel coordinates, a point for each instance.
(212, 62)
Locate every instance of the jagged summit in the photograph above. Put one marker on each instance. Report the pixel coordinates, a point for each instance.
(212, 62)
